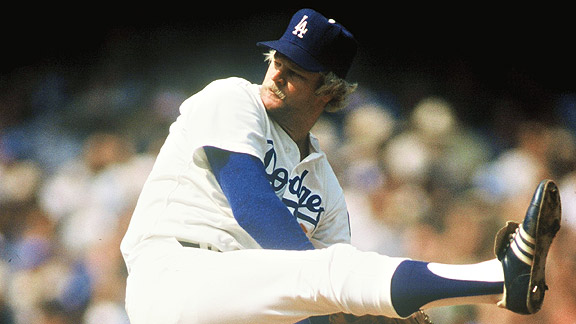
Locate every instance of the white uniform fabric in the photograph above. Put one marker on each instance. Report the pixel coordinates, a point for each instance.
(173, 284)
(182, 198)
(182, 201)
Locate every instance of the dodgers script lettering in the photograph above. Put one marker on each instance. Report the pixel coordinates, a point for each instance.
(303, 203)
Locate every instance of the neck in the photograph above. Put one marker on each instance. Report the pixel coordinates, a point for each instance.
(298, 129)
(300, 137)
(304, 147)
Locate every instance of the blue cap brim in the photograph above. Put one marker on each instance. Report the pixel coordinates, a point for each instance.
(296, 54)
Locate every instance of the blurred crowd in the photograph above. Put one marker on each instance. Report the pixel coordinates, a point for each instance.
(419, 182)
(431, 188)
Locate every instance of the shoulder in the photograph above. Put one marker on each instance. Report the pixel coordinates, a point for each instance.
(233, 84)
(226, 93)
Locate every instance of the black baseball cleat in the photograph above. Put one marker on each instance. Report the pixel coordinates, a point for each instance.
(522, 249)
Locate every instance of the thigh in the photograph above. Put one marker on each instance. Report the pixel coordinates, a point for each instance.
(169, 283)
(259, 286)
(187, 285)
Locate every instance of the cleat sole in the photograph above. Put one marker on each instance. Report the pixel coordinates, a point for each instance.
(548, 225)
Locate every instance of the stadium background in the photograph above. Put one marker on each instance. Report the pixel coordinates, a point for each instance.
(460, 112)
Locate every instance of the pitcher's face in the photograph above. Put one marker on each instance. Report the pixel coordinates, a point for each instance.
(287, 88)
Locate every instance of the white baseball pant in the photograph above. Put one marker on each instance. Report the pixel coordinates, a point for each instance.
(169, 283)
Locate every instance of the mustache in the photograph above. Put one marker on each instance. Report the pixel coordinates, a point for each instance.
(272, 87)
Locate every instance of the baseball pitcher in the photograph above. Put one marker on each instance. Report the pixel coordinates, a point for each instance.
(242, 219)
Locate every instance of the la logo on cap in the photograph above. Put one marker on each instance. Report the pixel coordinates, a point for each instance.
(300, 29)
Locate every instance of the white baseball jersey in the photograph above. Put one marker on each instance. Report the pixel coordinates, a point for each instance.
(182, 198)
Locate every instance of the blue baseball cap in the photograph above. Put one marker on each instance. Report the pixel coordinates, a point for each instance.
(316, 44)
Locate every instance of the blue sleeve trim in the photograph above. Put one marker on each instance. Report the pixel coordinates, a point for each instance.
(255, 206)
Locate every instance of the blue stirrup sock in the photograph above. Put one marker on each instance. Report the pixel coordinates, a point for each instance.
(416, 284)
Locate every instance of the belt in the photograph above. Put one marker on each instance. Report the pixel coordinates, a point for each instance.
(205, 246)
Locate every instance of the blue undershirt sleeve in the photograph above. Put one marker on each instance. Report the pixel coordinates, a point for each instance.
(255, 206)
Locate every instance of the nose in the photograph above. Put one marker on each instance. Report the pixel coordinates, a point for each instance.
(278, 77)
